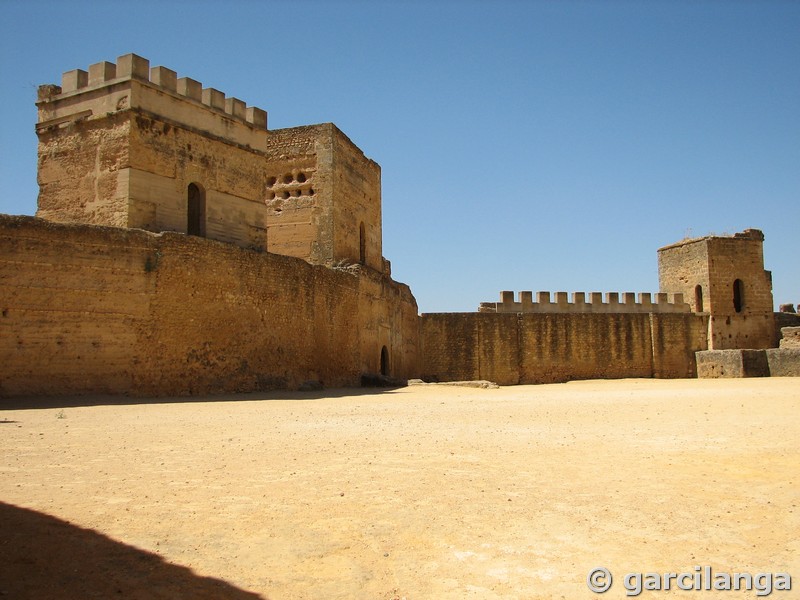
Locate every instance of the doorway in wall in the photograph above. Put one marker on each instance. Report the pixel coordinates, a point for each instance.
(738, 295)
(698, 298)
(384, 362)
(196, 210)
(362, 244)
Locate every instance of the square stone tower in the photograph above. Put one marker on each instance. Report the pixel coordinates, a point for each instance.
(724, 277)
(126, 145)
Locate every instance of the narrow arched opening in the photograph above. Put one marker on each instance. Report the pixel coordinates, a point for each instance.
(698, 298)
(384, 361)
(362, 244)
(738, 295)
(196, 210)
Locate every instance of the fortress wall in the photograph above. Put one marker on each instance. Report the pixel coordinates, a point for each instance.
(387, 316)
(166, 158)
(357, 185)
(81, 172)
(449, 346)
(87, 309)
(676, 338)
(560, 347)
(682, 267)
(546, 348)
(593, 302)
(131, 82)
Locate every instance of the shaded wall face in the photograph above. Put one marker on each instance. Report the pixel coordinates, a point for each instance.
(357, 229)
(546, 348)
(106, 310)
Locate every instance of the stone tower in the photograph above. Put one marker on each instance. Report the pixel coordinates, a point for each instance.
(131, 146)
(724, 277)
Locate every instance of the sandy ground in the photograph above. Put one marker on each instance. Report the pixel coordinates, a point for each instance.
(421, 492)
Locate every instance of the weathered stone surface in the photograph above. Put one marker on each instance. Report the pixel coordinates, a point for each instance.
(790, 337)
(725, 277)
(714, 364)
(784, 362)
(123, 145)
(90, 309)
(546, 348)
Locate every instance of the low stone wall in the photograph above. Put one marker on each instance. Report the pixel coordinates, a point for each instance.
(102, 310)
(783, 362)
(714, 364)
(774, 362)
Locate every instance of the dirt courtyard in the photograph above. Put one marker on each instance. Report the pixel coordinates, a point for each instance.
(417, 493)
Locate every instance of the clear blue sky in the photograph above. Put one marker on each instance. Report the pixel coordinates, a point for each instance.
(523, 145)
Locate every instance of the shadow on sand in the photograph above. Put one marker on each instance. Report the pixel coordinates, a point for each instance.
(37, 402)
(45, 557)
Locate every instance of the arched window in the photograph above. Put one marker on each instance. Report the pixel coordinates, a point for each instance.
(698, 298)
(384, 362)
(738, 295)
(362, 244)
(196, 210)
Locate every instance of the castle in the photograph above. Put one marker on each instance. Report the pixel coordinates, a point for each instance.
(182, 247)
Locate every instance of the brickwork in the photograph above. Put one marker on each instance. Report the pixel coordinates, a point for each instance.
(104, 310)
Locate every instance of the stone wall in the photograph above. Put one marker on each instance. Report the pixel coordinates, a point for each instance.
(544, 348)
(725, 275)
(130, 146)
(770, 362)
(593, 302)
(88, 309)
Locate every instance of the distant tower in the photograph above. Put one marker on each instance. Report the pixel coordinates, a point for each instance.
(724, 277)
(126, 145)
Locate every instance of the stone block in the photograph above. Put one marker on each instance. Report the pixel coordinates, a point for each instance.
(790, 337)
(783, 362)
(256, 117)
(190, 88)
(134, 66)
(102, 72)
(715, 364)
(213, 98)
(74, 80)
(165, 78)
(235, 107)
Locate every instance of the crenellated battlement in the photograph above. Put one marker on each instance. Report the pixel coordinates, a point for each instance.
(593, 302)
(109, 87)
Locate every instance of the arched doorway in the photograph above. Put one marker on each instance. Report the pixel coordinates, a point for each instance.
(384, 361)
(738, 295)
(362, 244)
(698, 298)
(196, 210)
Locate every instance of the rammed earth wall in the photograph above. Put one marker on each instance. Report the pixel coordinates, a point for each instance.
(89, 309)
(544, 348)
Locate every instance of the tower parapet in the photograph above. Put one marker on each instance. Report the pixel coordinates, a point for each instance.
(131, 83)
(593, 302)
